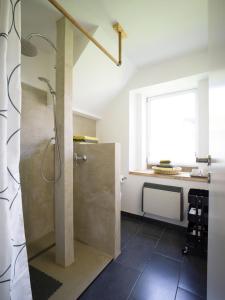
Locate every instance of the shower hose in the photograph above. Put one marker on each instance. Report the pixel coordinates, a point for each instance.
(57, 150)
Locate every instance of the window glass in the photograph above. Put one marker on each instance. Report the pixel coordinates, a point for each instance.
(171, 128)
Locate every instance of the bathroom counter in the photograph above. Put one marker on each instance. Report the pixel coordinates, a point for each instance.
(181, 176)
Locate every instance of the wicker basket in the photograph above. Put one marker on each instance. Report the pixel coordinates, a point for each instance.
(167, 171)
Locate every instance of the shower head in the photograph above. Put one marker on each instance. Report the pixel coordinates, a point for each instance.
(28, 49)
(48, 84)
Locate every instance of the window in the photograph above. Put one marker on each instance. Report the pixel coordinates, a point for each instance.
(172, 127)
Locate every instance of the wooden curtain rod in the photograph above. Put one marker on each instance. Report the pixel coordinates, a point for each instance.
(117, 27)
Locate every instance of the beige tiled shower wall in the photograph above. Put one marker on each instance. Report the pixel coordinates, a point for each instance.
(97, 197)
(36, 129)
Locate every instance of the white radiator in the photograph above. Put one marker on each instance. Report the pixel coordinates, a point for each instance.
(162, 200)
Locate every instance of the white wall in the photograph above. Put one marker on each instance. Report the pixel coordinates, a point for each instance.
(96, 79)
(114, 126)
(203, 115)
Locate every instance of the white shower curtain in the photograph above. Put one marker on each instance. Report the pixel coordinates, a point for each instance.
(14, 274)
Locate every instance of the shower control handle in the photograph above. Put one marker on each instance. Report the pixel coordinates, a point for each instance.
(77, 157)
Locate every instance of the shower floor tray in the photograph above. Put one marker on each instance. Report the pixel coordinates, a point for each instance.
(89, 263)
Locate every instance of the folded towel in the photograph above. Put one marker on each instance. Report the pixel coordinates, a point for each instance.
(165, 166)
(165, 161)
(84, 138)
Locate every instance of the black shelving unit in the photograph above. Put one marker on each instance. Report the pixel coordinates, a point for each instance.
(197, 231)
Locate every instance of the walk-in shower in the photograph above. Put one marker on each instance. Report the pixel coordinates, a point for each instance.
(30, 50)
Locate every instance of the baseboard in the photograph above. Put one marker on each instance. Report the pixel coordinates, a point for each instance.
(151, 220)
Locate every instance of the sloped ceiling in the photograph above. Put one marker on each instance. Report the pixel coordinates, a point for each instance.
(96, 79)
(157, 30)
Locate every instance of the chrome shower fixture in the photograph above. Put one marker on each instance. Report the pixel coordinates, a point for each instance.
(51, 140)
(77, 157)
(48, 84)
(28, 49)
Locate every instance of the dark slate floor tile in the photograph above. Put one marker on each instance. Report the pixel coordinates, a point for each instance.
(115, 282)
(193, 275)
(129, 217)
(185, 295)
(205, 276)
(158, 281)
(129, 228)
(171, 243)
(160, 275)
(152, 228)
(43, 285)
(138, 251)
